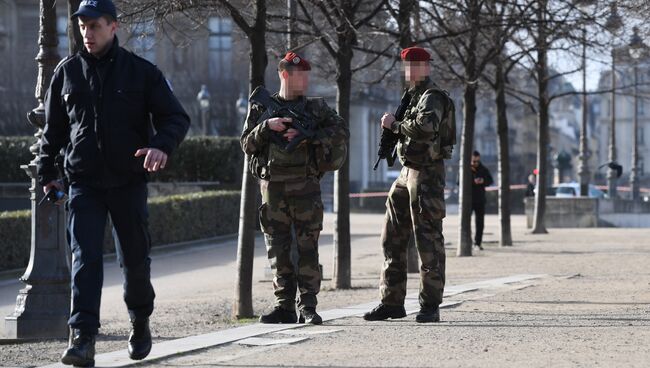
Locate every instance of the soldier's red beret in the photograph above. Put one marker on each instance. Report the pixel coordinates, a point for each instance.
(415, 54)
(297, 61)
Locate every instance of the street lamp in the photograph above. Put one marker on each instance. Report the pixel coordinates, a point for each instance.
(43, 306)
(613, 24)
(583, 167)
(636, 49)
(204, 104)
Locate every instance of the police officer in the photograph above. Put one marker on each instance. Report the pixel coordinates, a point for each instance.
(290, 187)
(481, 178)
(416, 199)
(102, 106)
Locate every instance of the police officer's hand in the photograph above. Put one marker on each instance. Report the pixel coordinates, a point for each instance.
(387, 120)
(155, 159)
(53, 184)
(291, 134)
(278, 124)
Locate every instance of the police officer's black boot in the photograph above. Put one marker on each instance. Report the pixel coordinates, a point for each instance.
(383, 311)
(428, 314)
(279, 315)
(139, 339)
(309, 315)
(81, 349)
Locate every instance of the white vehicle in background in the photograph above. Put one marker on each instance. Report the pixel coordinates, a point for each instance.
(569, 190)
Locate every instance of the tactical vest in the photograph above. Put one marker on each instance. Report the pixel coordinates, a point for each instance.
(275, 164)
(418, 154)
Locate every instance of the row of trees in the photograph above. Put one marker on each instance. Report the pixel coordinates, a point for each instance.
(476, 44)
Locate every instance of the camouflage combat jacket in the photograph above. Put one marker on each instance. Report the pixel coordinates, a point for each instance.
(418, 147)
(327, 151)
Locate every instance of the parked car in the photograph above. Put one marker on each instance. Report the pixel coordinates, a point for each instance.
(568, 190)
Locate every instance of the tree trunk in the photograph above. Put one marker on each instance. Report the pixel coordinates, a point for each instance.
(342, 255)
(467, 140)
(504, 155)
(243, 303)
(465, 171)
(539, 226)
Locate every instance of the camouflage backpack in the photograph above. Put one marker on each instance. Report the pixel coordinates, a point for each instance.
(444, 141)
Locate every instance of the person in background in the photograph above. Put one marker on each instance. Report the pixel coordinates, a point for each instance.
(481, 178)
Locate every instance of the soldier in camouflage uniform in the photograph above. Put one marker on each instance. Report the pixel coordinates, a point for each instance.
(290, 186)
(416, 201)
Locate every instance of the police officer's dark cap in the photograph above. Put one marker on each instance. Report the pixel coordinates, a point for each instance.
(96, 9)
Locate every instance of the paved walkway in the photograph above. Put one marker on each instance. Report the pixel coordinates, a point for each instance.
(592, 308)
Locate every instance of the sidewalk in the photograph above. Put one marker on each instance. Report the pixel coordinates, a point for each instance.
(592, 308)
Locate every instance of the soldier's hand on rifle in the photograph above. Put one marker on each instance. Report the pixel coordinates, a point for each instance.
(53, 184)
(387, 120)
(154, 160)
(291, 134)
(278, 124)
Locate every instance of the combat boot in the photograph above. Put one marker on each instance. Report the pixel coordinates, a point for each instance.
(139, 339)
(382, 312)
(428, 314)
(309, 315)
(81, 349)
(279, 315)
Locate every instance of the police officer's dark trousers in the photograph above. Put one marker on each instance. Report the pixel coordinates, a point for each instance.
(89, 208)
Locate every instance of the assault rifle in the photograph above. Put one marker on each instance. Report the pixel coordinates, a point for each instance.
(300, 120)
(389, 140)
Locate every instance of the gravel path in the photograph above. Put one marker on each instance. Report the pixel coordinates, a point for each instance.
(598, 318)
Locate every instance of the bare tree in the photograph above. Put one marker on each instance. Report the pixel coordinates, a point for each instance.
(458, 35)
(337, 30)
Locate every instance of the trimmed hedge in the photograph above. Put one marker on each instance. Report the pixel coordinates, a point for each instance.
(172, 219)
(193, 216)
(215, 159)
(14, 152)
(211, 159)
(15, 227)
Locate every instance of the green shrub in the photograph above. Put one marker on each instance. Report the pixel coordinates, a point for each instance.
(172, 219)
(217, 159)
(212, 159)
(193, 216)
(14, 152)
(15, 227)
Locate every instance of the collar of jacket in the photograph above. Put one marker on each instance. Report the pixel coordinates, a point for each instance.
(111, 54)
(297, 100)
(421, 87)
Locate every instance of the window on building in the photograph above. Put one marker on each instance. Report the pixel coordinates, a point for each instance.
(220, 48)
(144, 39)
(62, 34)
(641, 135)
(640, 167)
(641, 106)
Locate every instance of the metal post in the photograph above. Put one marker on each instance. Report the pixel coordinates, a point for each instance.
(43, 306)
(611, 173)
(634, 178)
(583, 168)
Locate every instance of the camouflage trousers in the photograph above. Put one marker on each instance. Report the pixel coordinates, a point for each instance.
(415, 205)
(297, 204)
